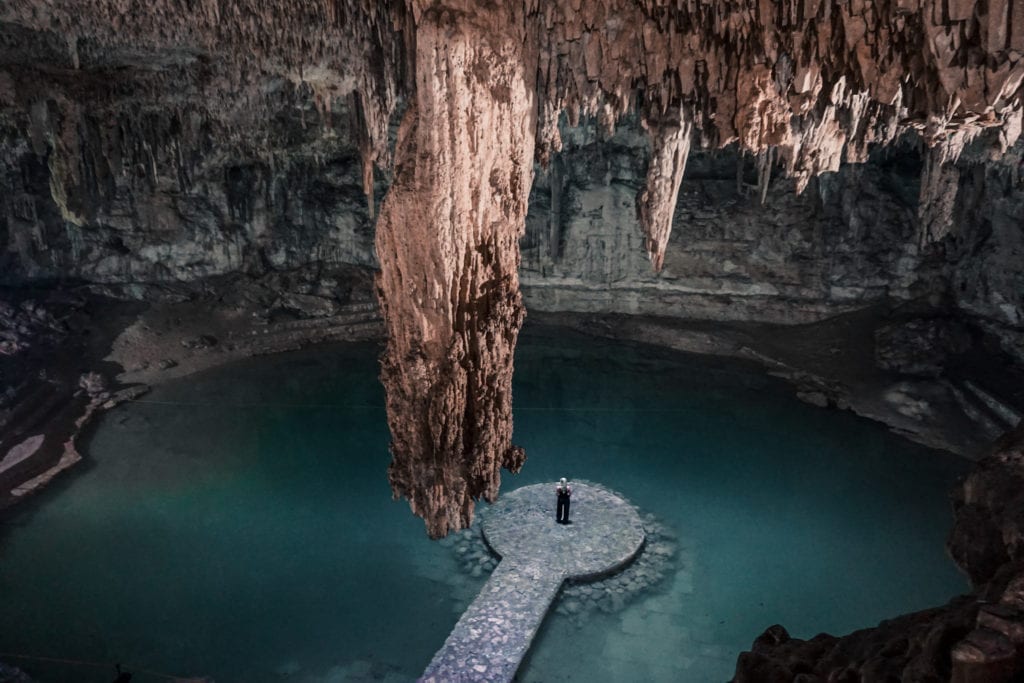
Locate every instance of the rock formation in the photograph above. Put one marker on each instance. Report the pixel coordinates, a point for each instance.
(808, 83)
(179, 140)
(447, 240)
(975, 637)
(188, 140)
(656, 204)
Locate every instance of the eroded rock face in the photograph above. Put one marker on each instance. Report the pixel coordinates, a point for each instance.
(190, 140)
(989, 506)
(986, 247)
(447, 239)
(849, 240)
(913, 647)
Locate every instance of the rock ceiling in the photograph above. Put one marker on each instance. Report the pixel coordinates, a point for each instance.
(482, 88)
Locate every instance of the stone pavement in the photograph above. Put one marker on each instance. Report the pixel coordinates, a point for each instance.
(538, 555)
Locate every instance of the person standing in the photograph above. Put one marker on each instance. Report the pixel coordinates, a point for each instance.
(564, 493)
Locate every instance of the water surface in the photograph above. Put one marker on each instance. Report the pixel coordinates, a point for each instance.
(238, 524)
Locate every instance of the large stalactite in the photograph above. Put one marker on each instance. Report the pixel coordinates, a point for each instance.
(447, 239)
(656, 203)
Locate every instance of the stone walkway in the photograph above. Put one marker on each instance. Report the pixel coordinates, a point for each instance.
(538, 555)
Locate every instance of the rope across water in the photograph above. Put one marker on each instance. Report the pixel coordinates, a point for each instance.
(104, 665)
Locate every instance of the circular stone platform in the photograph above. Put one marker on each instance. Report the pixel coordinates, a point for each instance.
(605, 533)
(537, 556)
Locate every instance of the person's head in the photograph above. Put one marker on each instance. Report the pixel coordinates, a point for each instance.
(563, 483)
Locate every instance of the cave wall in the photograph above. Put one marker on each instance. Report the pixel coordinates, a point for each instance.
(867, 233)
(851, 238)
(984, 253)
(174, 141)
(848, 240)
(162, 199)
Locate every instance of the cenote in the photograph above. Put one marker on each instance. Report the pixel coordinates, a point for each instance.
(238, 524)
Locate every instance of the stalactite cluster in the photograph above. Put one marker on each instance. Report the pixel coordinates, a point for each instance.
(808, 83)
(92, 73)
(816, 81)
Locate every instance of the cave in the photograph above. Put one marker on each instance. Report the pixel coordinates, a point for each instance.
(271, 273)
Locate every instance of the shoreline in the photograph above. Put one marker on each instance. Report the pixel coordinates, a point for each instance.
(61, 395)
(133, 350)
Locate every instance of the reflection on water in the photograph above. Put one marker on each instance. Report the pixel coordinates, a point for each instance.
(239, 525)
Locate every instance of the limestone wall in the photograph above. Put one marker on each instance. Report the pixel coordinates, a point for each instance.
(851, 238)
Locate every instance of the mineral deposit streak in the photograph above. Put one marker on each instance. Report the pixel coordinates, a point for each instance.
(538, 555)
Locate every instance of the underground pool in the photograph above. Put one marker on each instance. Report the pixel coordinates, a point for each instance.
(238, 524)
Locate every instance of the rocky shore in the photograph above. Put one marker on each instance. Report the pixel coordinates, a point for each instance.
(69, 353)
(977, 638)
(54, 382)
(912, 367)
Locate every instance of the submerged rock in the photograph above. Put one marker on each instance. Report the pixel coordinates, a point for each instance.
(976, 637)
(658, 559)
(10, 674)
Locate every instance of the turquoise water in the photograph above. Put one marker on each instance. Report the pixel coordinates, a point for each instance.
(238, 524)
